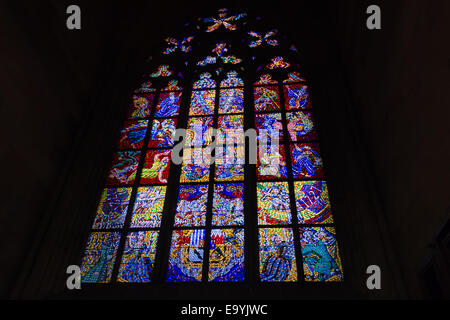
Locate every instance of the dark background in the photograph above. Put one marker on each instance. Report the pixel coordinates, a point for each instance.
(383, 111)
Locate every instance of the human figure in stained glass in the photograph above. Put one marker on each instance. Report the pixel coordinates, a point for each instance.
(169, 106)
(139, 266)
(278, 265)
(306, 161)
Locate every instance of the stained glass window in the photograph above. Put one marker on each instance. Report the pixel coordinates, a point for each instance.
(163, 132)
(136, 188)
(205, 82)
(199, 131)
(191, 205)
(320, 252)
(301, 126)
(168, 105)
(202, 102)
(260, 38)
(193, 209)
(186, 256)
(278, 63)
(112, 209)
(141, 106)
(273, 203)
(226, 256)
(138, 257)
(133, 134)
(313, 204)
(296, 96)
(99, 257)
(156, 166)
(228, 205)
(123, 168)
(232, 80)
(271, 163)
(276, 255)
(268, 127)
(148, 207)
(267, 99)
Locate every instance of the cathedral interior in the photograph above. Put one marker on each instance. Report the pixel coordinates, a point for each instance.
(379, 97)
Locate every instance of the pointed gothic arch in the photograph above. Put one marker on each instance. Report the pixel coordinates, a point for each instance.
(158, 222)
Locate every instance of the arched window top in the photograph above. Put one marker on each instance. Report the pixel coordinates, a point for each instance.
(205, 218)
(232, 80)
(205, 82)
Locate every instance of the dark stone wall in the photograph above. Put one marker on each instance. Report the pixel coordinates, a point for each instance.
(379, 96)
(399, 80)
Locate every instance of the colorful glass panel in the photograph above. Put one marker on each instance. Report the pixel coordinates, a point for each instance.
(301, 126)
(268, 126)
(231, 101)
(231, 59)
(321, 258)
(133, 134)
(172, 85)
(199, 131)
(313, 203)
(202, 102)
(230, 154)
(278, 63)
(231, 129)
(138, 257)
(306, 161)
(195, 167)
(265, 79)
(141, 106)
(191, 205)
(228, 172)
(228, 204)
(162, 71)
(232, 80)
(266, 99)
(163, 133)
(226, 255)
(145, 87)
(186, 256)
(207, 60)
(271, 163)
(168, 104)
(205, 82)
(258, 39)
(148, 207)
(156, 167)
(99, 257)
(174, 45)
(223, 19)
(294, 77)
(277, 255)
(273, 203)
(123, 168)
(112, 209)
(296, 97)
